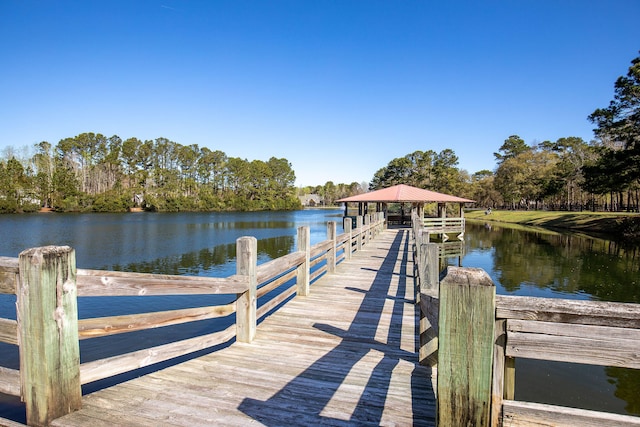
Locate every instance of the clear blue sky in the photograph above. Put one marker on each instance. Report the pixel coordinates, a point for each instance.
(339, 88)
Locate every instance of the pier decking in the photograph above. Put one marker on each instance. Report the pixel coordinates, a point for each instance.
(344, 355)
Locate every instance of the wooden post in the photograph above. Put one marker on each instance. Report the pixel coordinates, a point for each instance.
(331, 255)
(428, 265)
(246, 305)
(359, 228)
(497, 387)
(304, 245)
(367, 235)
(348, 228)
(503, 373)
(465, 347)
(417, 239)
(47, 310)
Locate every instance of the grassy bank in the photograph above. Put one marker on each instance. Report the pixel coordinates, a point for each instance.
(617, 225)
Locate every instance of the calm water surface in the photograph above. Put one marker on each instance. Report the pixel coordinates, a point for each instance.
(521, 262)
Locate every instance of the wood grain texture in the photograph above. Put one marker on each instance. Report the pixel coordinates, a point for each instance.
(465, 347)
(119, 283)
(526, 414)
(562, 342)
(9, 331)
(9, 381)
(602, 313)
(8, 275)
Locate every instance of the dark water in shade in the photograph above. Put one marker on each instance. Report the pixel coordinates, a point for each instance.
(534, 263)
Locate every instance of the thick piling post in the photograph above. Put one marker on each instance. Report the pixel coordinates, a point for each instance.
(48, 333)
(465, 347)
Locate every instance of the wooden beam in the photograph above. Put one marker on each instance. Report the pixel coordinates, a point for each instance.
(539, 414)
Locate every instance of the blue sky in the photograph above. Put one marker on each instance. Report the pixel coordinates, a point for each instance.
(339, 88)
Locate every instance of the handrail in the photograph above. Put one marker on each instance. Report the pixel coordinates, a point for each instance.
(574, 331)
(306, 264)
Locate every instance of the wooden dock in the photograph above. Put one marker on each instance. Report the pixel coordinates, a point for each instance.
(344, 355)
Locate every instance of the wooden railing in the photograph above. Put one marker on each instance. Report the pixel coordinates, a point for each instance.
(444, 226)
(47, 283)
(471, 337)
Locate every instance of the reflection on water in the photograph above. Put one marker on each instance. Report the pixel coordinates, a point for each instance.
(543, 263)
(218, 261)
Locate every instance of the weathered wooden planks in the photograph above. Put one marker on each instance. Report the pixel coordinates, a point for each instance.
(562, 342)
(527, 414)
(9, 331)
(119, 283)
(9, 381)
(465, 347)
(8, 275)
(343, 355)
(602, 313)
(48, 333)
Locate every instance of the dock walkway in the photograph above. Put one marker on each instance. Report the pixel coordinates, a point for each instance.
(344, 355)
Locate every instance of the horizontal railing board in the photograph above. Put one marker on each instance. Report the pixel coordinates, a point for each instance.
(602, 313)
(8, 423)
(265, 289)
(276, 267)
(320, 248)
(102, 326)
(521, 414)
(9, 331)
(595, 345)
(271, 304)
(9, 381)
(104, 368)
(117, 283)
(8, 275)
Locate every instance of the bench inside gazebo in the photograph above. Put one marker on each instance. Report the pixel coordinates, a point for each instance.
(407, 199)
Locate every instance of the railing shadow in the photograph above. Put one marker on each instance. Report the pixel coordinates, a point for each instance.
(306, 400)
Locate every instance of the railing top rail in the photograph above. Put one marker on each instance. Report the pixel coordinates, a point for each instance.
(117, 283)
(600, 313)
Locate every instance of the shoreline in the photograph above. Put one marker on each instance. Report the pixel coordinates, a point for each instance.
(617, 225)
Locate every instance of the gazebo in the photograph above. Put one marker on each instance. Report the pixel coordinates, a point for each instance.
(417, 198)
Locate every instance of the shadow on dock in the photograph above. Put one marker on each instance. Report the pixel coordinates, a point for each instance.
(325, 381)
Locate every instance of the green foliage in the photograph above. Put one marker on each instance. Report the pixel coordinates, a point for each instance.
(618, 128)
(511, 148)
(110, 202)
(91, 172)
(423, 169)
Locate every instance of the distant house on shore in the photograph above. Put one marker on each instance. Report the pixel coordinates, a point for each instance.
(310, 200)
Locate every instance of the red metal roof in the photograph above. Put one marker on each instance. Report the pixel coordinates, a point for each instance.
(404, 193)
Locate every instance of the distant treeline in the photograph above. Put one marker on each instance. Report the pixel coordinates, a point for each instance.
(91, 172)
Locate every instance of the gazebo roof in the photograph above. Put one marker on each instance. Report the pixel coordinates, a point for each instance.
(404, 193)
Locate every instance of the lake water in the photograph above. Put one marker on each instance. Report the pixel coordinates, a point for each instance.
(521, 262)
